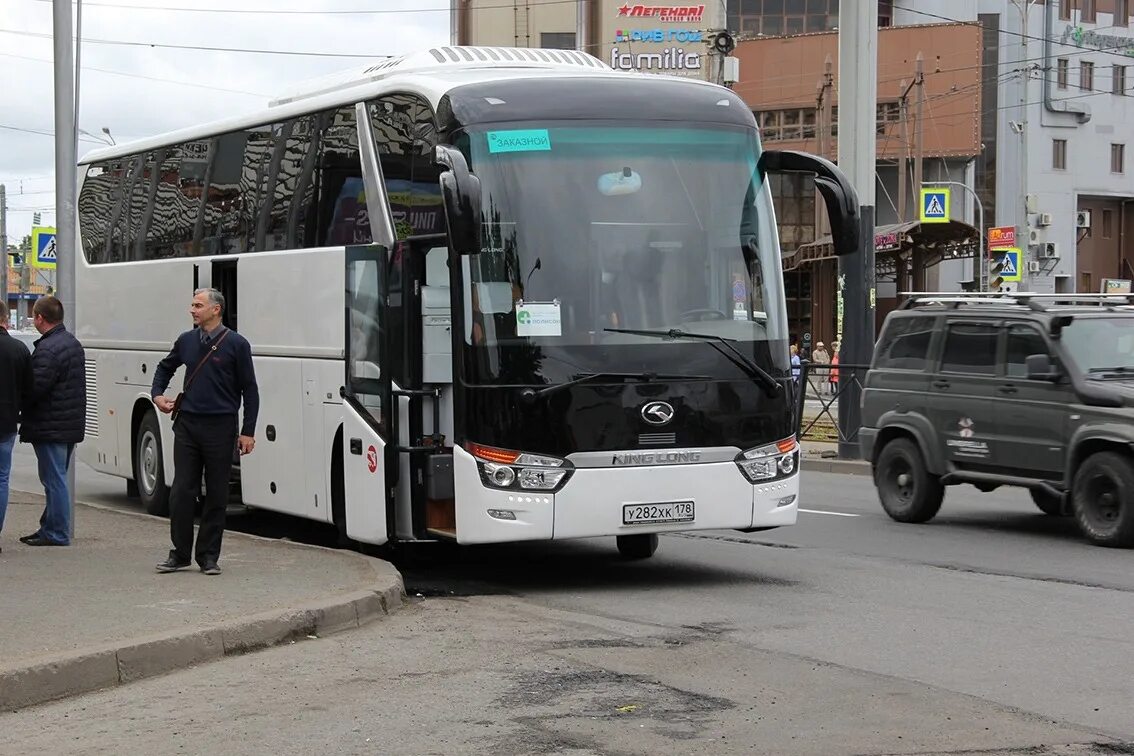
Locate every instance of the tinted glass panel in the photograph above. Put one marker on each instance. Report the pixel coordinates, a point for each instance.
(1022, 342)
(970, 349)
(905, 344)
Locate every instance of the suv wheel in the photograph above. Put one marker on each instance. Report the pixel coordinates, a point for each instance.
(1103, 499)
(908, 492)
(1048, 504)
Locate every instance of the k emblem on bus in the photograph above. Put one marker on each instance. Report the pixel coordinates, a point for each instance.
(657, 413)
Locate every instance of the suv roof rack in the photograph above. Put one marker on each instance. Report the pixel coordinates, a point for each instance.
(1033, 301)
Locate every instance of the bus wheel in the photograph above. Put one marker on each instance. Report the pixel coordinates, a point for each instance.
(149, 467)
(640, 546)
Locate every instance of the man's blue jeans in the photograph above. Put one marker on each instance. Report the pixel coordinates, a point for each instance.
(7, 444)
(54, 459)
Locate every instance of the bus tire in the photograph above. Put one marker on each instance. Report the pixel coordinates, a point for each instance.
(149, 467)
(338, 493)
(638, 546)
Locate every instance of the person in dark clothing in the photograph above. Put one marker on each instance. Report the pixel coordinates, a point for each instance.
(54, 417)
(15, 381)
(219, 375)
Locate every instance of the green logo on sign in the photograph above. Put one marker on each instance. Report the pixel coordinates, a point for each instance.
(523, 317)
(519, 140)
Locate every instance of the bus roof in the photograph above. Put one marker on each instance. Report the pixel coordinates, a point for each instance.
(431, 73)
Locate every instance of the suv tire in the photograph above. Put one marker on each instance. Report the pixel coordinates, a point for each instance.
(1102, 499)
(908, 492)
(1048, 504)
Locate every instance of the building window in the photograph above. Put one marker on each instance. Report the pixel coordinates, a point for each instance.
(557, 40)
(1087, 15)
(1121, 12)
(1065, 10)
(1059, 154)
(1107, 224)
(1086, 76)
(1119, 80)
(1061, 72)
(1118, 158)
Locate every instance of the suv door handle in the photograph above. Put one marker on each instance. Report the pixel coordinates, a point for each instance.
(1009, 389)
(941, 384)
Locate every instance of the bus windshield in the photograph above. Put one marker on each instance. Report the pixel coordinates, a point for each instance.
(638, 226)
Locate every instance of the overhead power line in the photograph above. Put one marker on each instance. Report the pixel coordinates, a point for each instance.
(124, 43)
(41, 132)
(143, 76)
(282, 12)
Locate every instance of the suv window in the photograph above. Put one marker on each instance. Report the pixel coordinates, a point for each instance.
(1023, 341)
(970, 348)
(905, 344)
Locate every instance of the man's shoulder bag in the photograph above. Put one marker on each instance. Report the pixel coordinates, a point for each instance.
(200, 364)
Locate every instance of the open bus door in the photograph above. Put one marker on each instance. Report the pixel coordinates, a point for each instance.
(368, 409)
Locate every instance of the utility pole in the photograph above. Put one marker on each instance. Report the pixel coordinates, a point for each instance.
(858, 103)
(918, 257)
(65, 183)
(4, 259)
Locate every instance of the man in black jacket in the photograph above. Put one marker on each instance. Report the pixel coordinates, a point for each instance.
(54, 417)
(15, 377)
(219, 377)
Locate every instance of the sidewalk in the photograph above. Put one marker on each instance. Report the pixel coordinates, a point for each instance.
(823, 456)
(96, 614)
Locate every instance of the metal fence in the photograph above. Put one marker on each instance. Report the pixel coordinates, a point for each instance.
(817, 400)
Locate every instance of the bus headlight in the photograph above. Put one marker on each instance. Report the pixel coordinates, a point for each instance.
(507, 469)
(769, 462)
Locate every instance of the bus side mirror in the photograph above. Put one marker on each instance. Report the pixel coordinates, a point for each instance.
(460, 193)
(838, 195)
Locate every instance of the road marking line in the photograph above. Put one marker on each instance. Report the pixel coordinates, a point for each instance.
(837, 514)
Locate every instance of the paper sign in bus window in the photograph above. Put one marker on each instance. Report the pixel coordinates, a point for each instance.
(538, 319)
(519, 140)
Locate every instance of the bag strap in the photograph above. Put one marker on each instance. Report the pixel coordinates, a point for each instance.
(204, 360)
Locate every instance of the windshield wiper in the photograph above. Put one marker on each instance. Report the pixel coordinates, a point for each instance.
(771, 386)
(530, 394)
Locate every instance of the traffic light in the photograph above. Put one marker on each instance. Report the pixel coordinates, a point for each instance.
(996, 273)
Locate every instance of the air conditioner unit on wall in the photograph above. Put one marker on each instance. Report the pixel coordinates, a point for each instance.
(1083, 219)
(1047, 251)
(1044, 219)
(1033, 266)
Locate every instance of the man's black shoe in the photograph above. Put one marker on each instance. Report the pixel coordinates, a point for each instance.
(41, 541)
(33, 536)
(171, 565)
(210, 568)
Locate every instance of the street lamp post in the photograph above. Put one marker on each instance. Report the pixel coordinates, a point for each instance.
(980, 222)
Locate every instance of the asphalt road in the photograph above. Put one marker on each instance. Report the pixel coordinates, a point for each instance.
(993, 628)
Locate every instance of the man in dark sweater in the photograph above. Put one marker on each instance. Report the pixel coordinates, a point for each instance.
(15, 380)
(54, 417)
(218, 376)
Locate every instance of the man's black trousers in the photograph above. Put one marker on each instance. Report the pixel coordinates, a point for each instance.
(201, 443)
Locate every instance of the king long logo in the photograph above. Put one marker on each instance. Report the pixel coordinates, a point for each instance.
(664, 13)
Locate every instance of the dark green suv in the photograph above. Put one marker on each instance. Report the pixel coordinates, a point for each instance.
(1022, 390)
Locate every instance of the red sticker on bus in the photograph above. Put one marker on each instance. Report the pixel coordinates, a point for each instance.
(372, 458)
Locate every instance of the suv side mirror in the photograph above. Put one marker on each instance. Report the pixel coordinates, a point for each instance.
(1041, 368)
(838, 193)
(460, 192)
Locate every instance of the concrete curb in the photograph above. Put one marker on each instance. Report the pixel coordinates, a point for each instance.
(48, 678)
(842, 466)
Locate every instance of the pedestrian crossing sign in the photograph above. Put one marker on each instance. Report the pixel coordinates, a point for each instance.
(935, 205)
(43, 242)
(1010, 270)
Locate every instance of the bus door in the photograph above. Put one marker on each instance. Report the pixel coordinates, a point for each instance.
(369, 424)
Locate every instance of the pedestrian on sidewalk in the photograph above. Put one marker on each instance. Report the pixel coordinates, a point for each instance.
(823, 359)
(219, 377)
(834, 372)
(15, 380)
(54, 417)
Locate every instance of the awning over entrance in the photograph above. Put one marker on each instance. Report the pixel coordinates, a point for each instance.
(938, 241)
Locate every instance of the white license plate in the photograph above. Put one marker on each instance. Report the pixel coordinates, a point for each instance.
(654, 514)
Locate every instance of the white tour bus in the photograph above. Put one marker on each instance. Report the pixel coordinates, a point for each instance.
(493, 294)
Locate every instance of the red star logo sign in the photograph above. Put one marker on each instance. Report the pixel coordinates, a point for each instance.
(624, 10)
